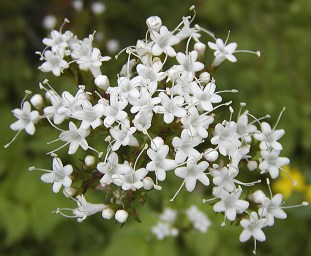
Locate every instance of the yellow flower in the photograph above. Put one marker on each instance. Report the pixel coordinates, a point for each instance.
(284, 184)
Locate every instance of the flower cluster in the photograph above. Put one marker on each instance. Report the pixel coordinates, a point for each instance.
(159, 118)
(169, 226)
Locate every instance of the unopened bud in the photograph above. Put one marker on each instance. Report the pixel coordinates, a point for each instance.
(154, 23)
(107, 213)
(210, 154)
(252, 165)
(89, 160)
(121, 216)
(148, 183)
(258, 196)
(102, 82)
(200, 48)
(37, 101)
(205, 77)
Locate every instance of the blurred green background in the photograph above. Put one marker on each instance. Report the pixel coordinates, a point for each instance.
(281, 30)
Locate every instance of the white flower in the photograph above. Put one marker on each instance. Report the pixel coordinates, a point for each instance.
(60, 176)
(75, 138)
(159, 164)
(188, 62)
(168, 215)
(171, 107)
(58, 42)
(86, 209)
(123, 136)
(230, 204)
(193, 172)
(205, 97)
(53, 63)
(111, 167)
(223, 179)
(163, 42)
(226, 138)
(26, 119)
(198, 218)
(90, 115)
(271, 208)
(114, 111)
(272, 162)
(223, 51)
(252, 228)
(185, 146)
(194, 123)
(244, 129)
(269, 137)
(131, 180)
(163, 229)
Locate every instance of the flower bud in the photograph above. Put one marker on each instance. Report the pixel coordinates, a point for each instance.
(102, 82)
(258, 196)
(154, 23)
(107, 213)
(200, 48)
(210, 154)
(69, 192)
(252, 165)
(37, 101)
(89, 160)
(205, 77)
(121, 216)
(148, 183)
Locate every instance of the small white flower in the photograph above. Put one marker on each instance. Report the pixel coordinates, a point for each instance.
(123, 136)
(26, 119)
(193, 172)
(53, 63)
(75, 138)
(131, 180)
(159, 163)
(112, 167)
(60, 176)
(272, 162)
(163, 42)
(230, 204)
(271, 208)
(252, 228)
(198, 218)
(185, 146)
(223, 51)
(269, 137)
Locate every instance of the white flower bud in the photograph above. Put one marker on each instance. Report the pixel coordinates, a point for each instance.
(258, 196)
(49, 22)
(69, 192)
(37, 101)
(112, 45)
(107, 213)
(121, 216)
(148, 183)
(205, 77)
(154, 23)
(89, 160)
(252, 165)
(102, 82)
(210, 154)
(200, 48)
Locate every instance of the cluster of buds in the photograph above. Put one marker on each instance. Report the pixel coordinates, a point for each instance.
(160, 118)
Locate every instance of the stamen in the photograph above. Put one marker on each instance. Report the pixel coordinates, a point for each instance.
(279, 118)
(145, 147)
(173, 198)
(8, 144)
